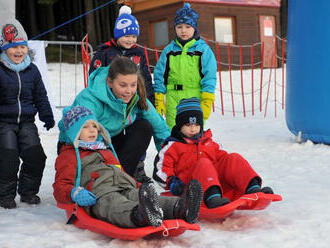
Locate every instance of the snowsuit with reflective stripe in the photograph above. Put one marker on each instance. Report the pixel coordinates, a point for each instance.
(205, 162)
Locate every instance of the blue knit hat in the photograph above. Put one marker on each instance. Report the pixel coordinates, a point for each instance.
(75, 118)
(126, 24)
(186, 15)
(12, 34)
(189, 111)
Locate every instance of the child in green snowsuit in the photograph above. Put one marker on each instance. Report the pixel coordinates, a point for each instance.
(186, 68)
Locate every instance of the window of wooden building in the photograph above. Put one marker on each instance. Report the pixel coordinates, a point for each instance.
(224, 29)
(159, 33)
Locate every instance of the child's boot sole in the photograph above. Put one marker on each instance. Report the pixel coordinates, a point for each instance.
(148, 198)
(194, 196)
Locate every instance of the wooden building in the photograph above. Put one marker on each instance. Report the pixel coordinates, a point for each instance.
(234, 22)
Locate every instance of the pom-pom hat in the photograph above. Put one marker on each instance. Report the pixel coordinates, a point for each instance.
(12, 34)
(186, 15)
(126, 24)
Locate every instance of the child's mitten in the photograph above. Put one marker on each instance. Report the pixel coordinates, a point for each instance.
(83, 197)
(206, 104)
(176, 186)
(49, 124)
(159, 103)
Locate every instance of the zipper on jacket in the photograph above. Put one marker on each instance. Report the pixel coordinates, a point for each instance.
(18, 98)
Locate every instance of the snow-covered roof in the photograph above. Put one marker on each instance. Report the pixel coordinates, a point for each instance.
(261, 3)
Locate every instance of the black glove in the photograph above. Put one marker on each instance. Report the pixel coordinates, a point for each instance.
(49, 124)
(176, 185)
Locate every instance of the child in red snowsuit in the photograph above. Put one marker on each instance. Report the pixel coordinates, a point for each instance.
(190, 153)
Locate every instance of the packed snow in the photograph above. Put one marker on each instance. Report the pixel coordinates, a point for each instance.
(298, 172)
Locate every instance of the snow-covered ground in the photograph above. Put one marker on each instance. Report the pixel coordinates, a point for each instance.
(299, 172)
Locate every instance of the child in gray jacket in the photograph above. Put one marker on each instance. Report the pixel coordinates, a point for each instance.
(89, 174)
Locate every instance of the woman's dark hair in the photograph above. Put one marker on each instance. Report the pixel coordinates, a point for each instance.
(123, 65)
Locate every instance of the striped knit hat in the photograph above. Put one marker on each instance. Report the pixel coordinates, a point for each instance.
(189, 111)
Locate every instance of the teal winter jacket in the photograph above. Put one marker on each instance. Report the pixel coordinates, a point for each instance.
(113, 113)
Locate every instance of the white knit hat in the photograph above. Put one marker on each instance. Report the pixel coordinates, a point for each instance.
(12, 34)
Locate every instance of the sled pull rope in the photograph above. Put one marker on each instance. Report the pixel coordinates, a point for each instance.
(249, 198)
(166, 232)
(77, 182)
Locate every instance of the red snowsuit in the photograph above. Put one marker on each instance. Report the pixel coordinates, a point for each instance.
(204, 161)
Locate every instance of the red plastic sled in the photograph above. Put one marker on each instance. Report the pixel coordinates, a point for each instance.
(83, 220)
(256, 201)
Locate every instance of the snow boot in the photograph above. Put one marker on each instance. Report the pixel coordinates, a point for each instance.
(30, 199)
(213, 197)
(148, 212)
(267, 190)
(8, 203)
(254, 187)
(188, 206)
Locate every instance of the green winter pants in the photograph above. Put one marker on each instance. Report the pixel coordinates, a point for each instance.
(116, 207)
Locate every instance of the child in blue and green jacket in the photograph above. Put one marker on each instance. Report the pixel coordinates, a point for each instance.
(186, 68)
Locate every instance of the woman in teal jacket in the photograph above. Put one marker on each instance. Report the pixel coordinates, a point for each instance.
(116, 95)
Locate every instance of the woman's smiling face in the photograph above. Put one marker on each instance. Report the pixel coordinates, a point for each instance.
(124, 86)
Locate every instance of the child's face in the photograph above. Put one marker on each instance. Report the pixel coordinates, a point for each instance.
(184, 31)
(89, 132)
(190, 130)
(127, 41)
(17, 54)
(124, 86)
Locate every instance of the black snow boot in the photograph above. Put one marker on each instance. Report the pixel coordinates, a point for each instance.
(254, 187)
(188, 206)
(213, 197)
(267, 190)
(148, 212)
(8, 203)
(30, 199)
